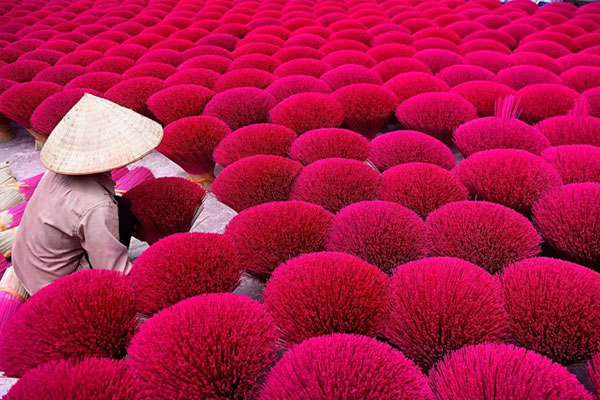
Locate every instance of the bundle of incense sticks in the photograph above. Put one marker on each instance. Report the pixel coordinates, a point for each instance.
(7, 238)
(6, 175)
(11, 218)
(14, 193)
(12, 296)
(132, 178)
(119, 173)
(507, 108)
(6, 132)
(4, 265)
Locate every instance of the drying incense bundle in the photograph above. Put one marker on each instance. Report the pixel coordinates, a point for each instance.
(165, 206)
(13, 193)
(190, 143)
(118, 173)
(7, 239)
(502, 131)
(12, 296)
(131, 179)
(6, 175)
(6, 132)
(11, 218)
(9, 197)
(38, 138)
(4, 265)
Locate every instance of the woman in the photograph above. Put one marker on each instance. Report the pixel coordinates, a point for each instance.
(72, 220)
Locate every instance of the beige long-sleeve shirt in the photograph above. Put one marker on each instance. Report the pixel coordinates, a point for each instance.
(66, 217)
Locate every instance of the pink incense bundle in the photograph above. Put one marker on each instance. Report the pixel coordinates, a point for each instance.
(12, 296)
(577, 127)
(98, 81)
(20, 101)
(252, 140)
(582, 78)
(536, 59)
(350, 74)
(59, 74)
(6, 132)
(4, 265)
(493, 61)
(456, 74)
(179, 101)
(27, 186)
(436, 114)
(240, 107)
(575, 163)
(131, 179)
(87, 379)
(165, 206)
(319, 144)
(343, 366)
(256, 180)
(190, 142)
(483, 95)
(399, 147)
(11, 218)
(545, 100)
(133, 93)
(288, 86)
(246, 77)
(303, 112)
(520, 76)
(502, 131)
(118, 173)
(22, 70)
(89, 313)
(441, 304)
(391, 67)
(501, 371)
(366, 107)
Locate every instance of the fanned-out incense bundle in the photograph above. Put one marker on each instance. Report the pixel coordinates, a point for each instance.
(6, 175)
(7, 238)
(131, 179)
(13, 193)
(20, 101)
(87, 379)
(165, 206)
(190, 142)
(6, 133)
(576, 127)
(12, 296)
(9, 197)
(11, 218)
(502, 131)
(4, 265)
(119, 173)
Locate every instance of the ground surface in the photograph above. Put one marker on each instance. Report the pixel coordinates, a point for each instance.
(24, 163)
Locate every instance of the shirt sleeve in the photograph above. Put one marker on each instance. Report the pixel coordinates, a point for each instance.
(99, 235)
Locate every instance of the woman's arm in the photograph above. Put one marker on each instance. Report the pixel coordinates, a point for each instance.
(99, 235)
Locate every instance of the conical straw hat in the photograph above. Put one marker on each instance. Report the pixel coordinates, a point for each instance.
(98, 135)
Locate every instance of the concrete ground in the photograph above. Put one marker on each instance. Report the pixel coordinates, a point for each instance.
(24, 163)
